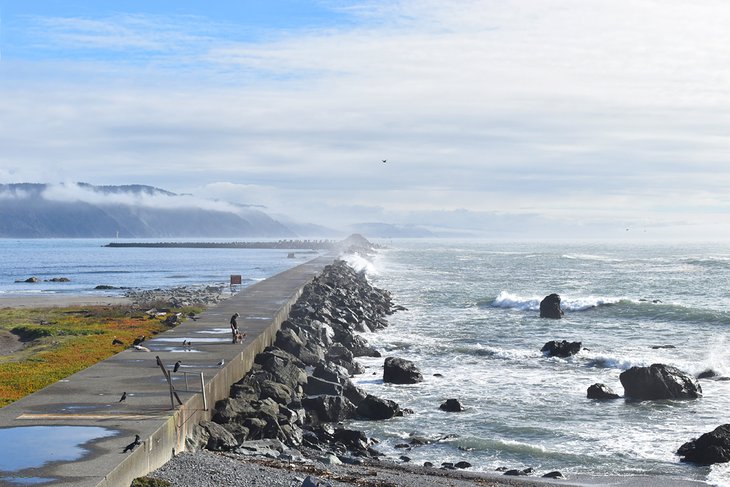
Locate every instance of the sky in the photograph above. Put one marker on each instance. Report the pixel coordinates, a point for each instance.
(534, 118)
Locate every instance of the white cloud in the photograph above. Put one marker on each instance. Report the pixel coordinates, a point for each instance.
(71, 192)
(583, 110)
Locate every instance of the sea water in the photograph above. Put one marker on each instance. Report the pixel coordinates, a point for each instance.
(473, 328)
(87, 263)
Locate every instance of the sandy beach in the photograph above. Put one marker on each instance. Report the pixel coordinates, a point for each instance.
(59, 300)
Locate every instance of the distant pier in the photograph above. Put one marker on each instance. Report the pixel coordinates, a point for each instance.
(279, 244)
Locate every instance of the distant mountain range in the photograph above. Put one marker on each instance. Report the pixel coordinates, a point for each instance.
(134, 211)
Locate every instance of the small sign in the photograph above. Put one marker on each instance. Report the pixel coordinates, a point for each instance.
(235, 279)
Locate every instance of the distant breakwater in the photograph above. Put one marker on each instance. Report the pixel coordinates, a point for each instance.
(279, 244)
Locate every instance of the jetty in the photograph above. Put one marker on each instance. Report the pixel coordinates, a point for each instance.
(312, 245)
(75, 432)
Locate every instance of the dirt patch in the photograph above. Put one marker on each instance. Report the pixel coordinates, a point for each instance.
(9, 343)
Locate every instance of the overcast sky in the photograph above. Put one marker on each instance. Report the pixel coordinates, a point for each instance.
(582, 116)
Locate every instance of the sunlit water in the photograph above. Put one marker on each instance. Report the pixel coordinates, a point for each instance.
(88, 264)
(473, 318)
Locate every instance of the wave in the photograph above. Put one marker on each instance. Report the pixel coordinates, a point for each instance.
(497, 352)
(360, 264)
(613, 362)
(507, 300)
(621, 307)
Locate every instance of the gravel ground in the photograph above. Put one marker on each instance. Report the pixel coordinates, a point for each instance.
(210, 469)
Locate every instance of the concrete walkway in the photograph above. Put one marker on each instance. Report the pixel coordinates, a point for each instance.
(73, 432)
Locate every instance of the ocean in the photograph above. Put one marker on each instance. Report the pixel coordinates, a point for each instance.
(472, 326)
(87, 263)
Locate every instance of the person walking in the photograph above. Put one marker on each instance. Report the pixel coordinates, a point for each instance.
(234, 326)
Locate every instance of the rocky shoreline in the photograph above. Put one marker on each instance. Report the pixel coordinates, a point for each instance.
(283, 422)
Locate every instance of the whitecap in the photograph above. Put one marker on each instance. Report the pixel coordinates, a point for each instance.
(360, 264)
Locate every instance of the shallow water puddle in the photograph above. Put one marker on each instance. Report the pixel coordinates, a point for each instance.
(36, 446)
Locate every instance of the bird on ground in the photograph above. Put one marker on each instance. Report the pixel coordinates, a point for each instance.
(141, 348)
(220, 364)
(117, 341)
(132, 445)
(185, 342)
(124, 397)
(139, 340)
(192, 316)
(177, 366)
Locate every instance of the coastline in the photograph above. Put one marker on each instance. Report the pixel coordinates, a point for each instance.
(382, 474)
(60, 300)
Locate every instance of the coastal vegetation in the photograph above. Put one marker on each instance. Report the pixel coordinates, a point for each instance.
(53, 343)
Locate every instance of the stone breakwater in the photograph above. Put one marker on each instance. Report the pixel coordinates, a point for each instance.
(300, 388)
(178, 297)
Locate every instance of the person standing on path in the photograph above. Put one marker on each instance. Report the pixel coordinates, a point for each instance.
(234, 326)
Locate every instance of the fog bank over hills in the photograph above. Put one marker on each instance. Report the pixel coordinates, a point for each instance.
(131, 211)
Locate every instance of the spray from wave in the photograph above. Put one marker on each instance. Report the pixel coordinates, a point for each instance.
(507, 300)
(360, 264)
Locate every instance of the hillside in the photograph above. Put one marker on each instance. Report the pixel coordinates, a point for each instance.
(132, 211)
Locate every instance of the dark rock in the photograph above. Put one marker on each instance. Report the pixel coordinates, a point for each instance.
(707, 374)
(219, 439)
(289, 341)
(104, 287)
(451, 406)
(658, 347)
(280, 393)
(712, 447)
(601, 391)
(462, 464)
(32, 279)
(514, 472)
(553, 475)
(550, 307)
(352, 439)
(316, 386)
(659, 381)
(373, 407)
(59, 279)
(561, 348)
(428, 464)
(329, 408)
(401, 371)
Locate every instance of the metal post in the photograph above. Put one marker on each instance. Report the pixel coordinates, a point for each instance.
(186, 381)
(202, 389)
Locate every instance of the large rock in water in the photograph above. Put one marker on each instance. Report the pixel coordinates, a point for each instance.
(712, 447)
(601, 391)
(550, 307)
(401, 371)
(659, 381)
(562, 348)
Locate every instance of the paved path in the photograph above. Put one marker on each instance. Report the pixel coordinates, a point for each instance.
(74, 431)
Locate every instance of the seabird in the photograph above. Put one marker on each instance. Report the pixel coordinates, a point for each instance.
(185, 342)
(139, 340)
(177, 366)
(124, 397)
(385, 160)
(117, 341)
(132, 445)
(140, 348)
(220, 364)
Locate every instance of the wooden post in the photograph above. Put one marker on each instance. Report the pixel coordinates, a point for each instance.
(166, 373)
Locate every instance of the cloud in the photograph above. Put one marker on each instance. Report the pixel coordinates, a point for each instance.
(71, 192)
(580, 110)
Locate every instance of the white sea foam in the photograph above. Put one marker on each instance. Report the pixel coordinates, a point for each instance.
(613, 362)
(509, 300)
(360, 264)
